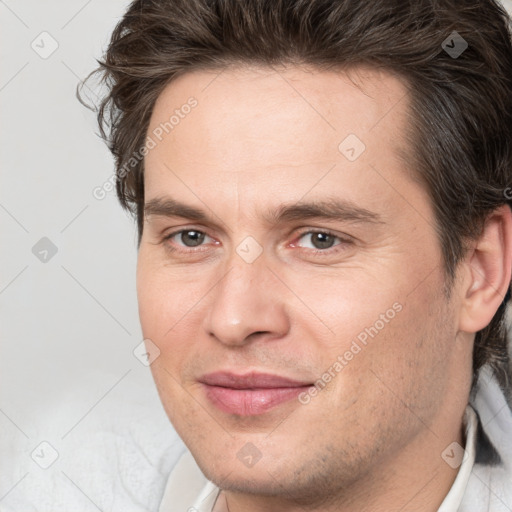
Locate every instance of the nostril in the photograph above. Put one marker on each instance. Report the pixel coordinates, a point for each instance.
(257, 333)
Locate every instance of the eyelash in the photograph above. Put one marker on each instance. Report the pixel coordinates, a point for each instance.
(317, 252)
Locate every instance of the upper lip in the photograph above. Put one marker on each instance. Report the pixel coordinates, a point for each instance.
(253, 380)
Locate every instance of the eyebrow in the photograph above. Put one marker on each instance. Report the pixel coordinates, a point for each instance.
(329, 209)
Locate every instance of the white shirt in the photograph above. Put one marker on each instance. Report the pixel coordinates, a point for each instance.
(188, 490)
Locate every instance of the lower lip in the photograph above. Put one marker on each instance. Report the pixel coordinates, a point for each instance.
(249, 402)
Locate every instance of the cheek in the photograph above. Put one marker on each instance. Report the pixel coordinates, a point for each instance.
(338, 309)
(386, 336)
(170, 312)
(152, 300)
(165, 299)
(409, 359)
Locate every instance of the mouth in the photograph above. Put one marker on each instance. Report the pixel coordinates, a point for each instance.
(250, 394)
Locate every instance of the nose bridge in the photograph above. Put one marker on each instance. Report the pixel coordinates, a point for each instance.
(244, 302)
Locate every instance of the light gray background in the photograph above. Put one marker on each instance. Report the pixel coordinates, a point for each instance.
(68, 376)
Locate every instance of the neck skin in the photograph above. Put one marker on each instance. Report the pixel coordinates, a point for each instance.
(416, 479)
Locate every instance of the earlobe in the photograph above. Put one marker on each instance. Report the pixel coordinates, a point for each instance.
(488, 270)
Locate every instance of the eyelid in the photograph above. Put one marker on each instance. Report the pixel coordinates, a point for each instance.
(166, 240)
(345, 239)
(325, 231)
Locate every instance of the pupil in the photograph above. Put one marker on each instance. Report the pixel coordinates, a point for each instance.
(322, 240)
(196, 237)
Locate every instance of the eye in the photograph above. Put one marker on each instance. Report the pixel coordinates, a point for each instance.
(315, 241)
(320, 241)
(188, 238)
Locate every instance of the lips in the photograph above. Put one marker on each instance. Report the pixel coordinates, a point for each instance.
(250, 394)
(250, 381)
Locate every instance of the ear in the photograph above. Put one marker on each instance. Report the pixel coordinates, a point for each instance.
(488, 268)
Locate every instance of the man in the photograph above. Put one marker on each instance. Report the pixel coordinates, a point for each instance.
(322, 191)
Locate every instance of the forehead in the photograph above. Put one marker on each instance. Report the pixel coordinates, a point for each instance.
(254, 101)
(282, 128)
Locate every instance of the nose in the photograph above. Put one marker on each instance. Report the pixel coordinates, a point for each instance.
(248, 301)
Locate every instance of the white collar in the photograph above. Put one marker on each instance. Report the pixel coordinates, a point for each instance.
(188, 489)
(454, 497)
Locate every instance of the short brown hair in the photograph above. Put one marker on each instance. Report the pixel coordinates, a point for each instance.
(461, 105)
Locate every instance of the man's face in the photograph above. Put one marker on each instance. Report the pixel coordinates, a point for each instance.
(261, 286)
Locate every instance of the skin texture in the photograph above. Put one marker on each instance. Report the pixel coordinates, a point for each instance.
(372, 438)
